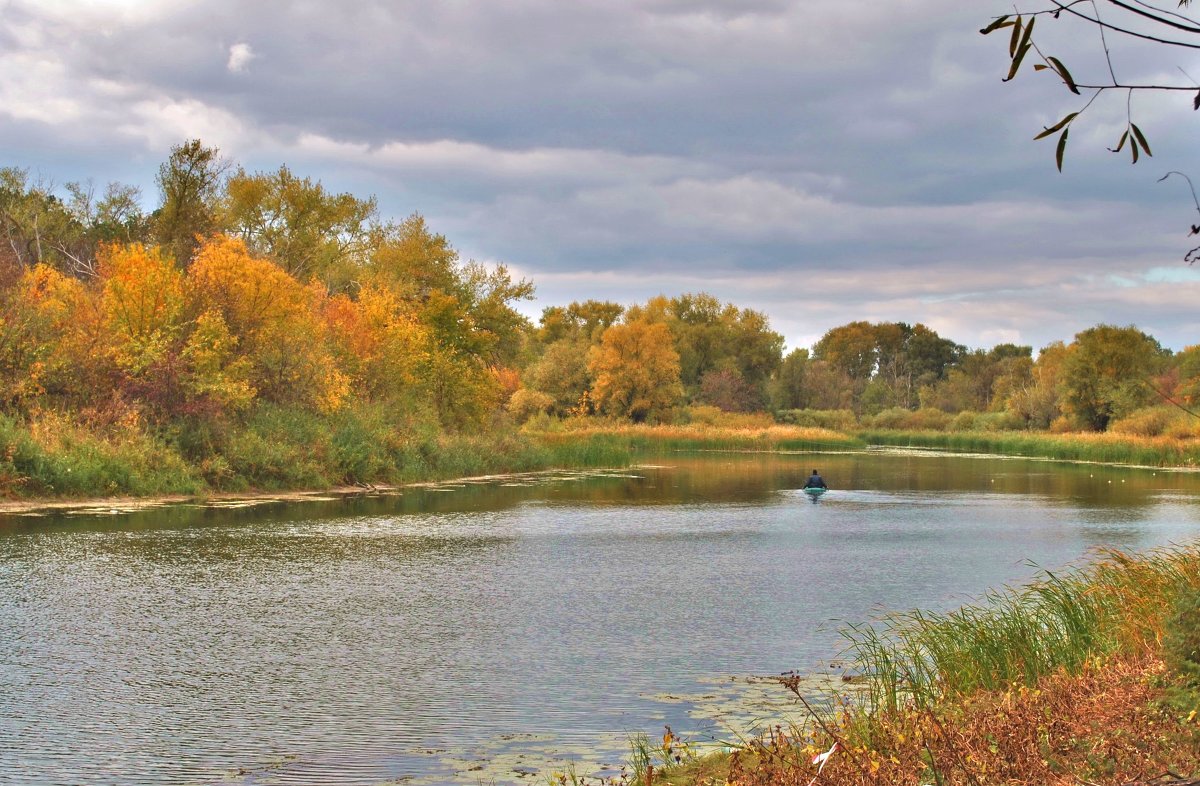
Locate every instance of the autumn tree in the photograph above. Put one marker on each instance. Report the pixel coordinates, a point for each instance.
(45, 340)
(1105, 374)
(296, 223)
(142, 303)
(564, 337)
(981, 380)
(189, 183)
(379, 343)
(887, 363)
(275, 320)
(727, 390)
(636, 371)
(711, 336)
(1036, 400)
(851, 349)
(1188, 386)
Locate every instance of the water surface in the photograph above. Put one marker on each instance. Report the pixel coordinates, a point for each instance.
(473, 632)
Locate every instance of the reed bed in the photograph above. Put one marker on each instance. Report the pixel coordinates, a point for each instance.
(1110, 448)
(644, 438)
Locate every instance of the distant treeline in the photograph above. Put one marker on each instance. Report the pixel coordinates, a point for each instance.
(252, 310)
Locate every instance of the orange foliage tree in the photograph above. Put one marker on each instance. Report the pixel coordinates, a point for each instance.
(46, 336)
(275, 320)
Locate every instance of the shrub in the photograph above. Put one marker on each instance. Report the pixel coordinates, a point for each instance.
(1146, 422)
(526, 403)
(924, 419)
(707, 415)
(832, 419)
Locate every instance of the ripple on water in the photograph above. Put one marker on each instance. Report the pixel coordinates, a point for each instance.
(500, 627)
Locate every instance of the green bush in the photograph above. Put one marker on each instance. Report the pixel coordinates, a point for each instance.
(55, 456)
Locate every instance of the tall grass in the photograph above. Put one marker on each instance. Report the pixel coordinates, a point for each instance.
(614, 438)
(1105, 448)
(52, 455)
(1118, 605)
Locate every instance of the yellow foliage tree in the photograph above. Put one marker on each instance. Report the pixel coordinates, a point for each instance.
(276, 321)
(143, 307)
(635, 370)
(45, 336)
(378, 342)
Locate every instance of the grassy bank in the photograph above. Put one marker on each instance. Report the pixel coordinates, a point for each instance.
(1110, 448)
(50, 454)
(1086, 677)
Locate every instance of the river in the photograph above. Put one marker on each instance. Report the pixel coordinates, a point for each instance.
(495, 631)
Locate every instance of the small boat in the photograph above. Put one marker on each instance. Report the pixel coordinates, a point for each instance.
(814, 491)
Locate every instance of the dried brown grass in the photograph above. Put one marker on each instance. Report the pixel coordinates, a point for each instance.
(1103, 725)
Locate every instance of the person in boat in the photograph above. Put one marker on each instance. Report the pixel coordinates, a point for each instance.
(815, 481)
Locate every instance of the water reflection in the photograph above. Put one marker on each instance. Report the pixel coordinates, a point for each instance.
(480, 625)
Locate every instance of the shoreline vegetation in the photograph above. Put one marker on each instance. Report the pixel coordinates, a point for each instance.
(53, 458)
(1088, 676)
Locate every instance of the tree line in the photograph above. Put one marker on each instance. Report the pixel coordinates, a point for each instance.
(240, 290)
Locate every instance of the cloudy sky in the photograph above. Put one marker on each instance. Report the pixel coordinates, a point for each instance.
(820, 160)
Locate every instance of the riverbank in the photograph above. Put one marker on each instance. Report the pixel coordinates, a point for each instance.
(51, 458)
(1080, 678)
(1106, 448)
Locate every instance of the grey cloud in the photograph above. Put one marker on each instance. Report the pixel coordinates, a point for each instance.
(624, 147)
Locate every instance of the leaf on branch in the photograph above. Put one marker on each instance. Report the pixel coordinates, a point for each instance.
(1057, 126)
(1015, 38)
(1120, 142)
(997, 24)
(1141, 140)
(1065, 74)
(1023, 48)
(1062, 148)
(1196, 102)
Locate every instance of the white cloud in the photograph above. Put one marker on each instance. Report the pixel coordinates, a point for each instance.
(240, 56)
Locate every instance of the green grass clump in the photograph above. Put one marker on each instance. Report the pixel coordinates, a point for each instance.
(1120, 604)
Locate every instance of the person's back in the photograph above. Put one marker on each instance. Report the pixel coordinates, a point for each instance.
(815, 481)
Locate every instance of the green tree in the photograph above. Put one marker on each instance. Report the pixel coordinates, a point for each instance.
(1105, 374)
(562, 373)
(980, 381)
(587, 321)
(711, 336)
(189, 183)
(894, 359)
(296, 223)
(787, 388)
